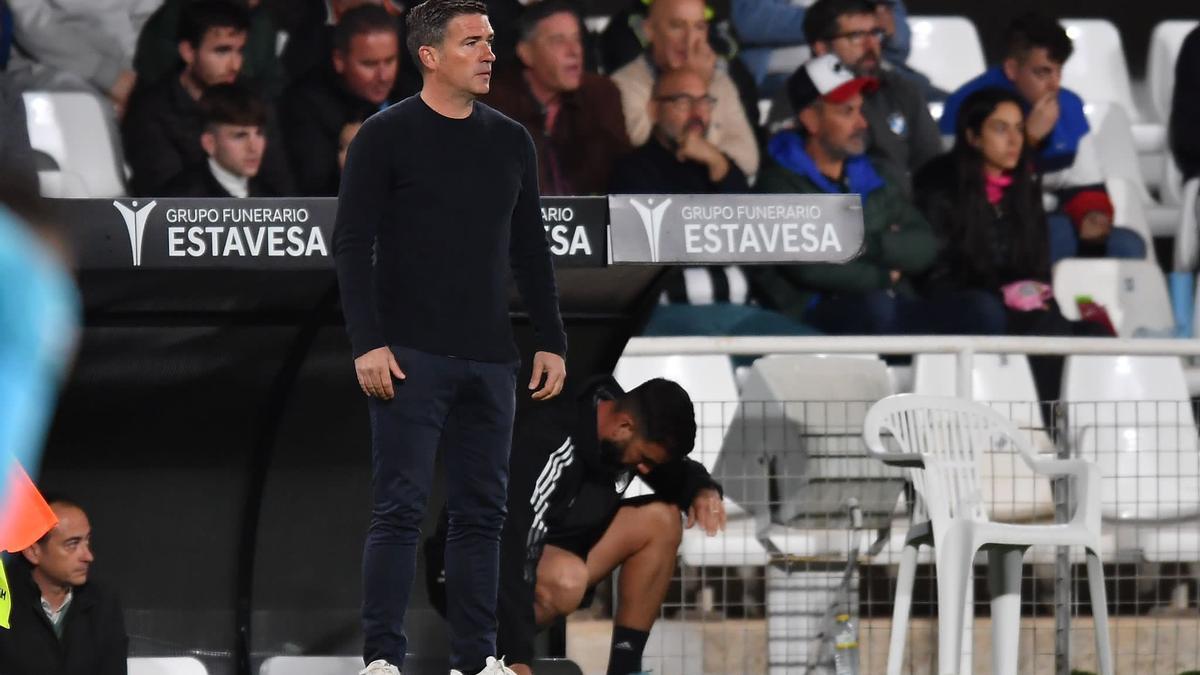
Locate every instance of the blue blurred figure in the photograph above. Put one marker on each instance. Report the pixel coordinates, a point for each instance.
(39, 328)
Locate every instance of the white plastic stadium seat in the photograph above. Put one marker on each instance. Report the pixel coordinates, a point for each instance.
(1165, 43)
(1097, 70)
(71, 128)
(946, 49)
(1134, 417)
(1117, 154)
(311, 665)
(174, 665)
(1133, 292)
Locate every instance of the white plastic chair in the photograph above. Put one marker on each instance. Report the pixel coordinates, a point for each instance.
(72, 129)
(946, 49)
(173, 665)
(311, 665)
(1134, 293)
(1005, 382)
(941, 440)
(1165, 43)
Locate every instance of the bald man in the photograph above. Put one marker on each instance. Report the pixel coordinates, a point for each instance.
(677, 32)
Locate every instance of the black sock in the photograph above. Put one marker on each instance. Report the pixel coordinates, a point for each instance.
(625, 657)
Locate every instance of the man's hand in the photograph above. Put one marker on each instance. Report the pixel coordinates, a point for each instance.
(1095, 227)
(695, 147)
(521, 669)
(554, 368)
(701, 58)
(121, 89)
(707, 511)
(375, 371)
(1041, 118)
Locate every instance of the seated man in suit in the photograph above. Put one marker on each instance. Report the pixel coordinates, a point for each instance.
(234, 141)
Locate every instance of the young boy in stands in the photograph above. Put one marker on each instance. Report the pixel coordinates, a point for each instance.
(234, 141)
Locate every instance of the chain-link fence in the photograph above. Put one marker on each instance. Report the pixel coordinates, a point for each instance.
(761, 597)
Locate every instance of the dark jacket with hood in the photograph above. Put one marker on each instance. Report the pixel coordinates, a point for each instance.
(896, 235)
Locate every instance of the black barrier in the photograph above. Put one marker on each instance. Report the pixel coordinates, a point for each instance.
(214, 430)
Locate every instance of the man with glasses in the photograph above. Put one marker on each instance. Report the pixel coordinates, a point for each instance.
(677, 31)
(901, 134)
(679, 158)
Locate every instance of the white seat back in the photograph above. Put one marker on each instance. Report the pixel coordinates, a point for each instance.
(946, 49)
(1116, 150)
(1132, 415)
(1165, 43)
(952, 436)
(311, 665)
(1097, 69)
(1133, 292)
(1012, 491)
(173, 665)
(71, 128)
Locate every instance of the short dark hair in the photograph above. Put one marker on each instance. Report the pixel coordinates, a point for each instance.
(1032, 30)
(821, 18)
(201, 16)
(362, 20)
(528, 22)
(663, 413)
(232, 104)
(427, 22)
(62, 499)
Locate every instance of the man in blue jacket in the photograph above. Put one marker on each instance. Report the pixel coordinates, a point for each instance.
(1056, 128)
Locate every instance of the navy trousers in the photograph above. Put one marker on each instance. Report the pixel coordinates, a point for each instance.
(465, 407)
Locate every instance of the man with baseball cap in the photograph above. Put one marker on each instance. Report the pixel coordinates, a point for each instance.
(872, 294)
(901, 134)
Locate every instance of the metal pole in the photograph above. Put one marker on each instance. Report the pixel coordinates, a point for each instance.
(1063, 584)
(964, 366)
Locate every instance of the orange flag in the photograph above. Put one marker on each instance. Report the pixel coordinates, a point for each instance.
(25, 516)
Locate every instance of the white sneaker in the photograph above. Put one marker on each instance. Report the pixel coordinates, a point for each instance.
(379, 667)
(493, 667)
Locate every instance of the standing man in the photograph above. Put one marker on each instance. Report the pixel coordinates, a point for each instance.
(438, 199)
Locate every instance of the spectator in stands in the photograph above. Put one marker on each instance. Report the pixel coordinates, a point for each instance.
(62, 621)
(874, 294)
(678, 34)
(158, 50)
(985, 204)
(234, 139)
(92, 40)
(901, 134)
(766, 25)
(1057, 131)
(310, 37)
(1185, 108)
(679, 159)
(574, 116)
(163, 128)
(365, 58)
